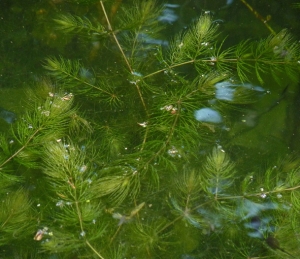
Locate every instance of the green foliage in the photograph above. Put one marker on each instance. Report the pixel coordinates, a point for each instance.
(194, 43)
(75, 24)
(75, 76)
(218, 173)
(16, 217)
(146, 238)
(137, 172)
(272, 55)
(296, 5)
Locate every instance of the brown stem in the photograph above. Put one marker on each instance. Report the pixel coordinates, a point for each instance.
(124, 56)
(24, 146)
(259, 16)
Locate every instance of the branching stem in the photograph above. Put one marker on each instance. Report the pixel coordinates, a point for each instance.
(170, 135)
(170, 67)
(124, 57)
(232, 60)
(81, 227)
(24, 146)
(226, 198)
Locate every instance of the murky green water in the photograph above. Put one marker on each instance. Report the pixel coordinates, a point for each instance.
(128, 131)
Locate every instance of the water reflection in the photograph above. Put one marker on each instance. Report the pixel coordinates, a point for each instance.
(228, 91)
(208, 115)
(168, 15)
(8, 116)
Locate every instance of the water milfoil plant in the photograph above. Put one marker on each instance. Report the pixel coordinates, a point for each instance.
(127, 151)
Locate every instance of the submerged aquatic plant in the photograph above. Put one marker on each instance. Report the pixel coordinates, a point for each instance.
(123, 139)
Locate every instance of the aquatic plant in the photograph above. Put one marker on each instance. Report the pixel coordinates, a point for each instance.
(121, 158)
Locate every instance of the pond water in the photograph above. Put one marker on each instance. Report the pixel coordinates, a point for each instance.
(140, 129)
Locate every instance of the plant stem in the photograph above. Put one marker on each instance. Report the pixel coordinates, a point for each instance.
(93, 249)
(124, 56)
(24, 146)
(81, 226)
(257, 15)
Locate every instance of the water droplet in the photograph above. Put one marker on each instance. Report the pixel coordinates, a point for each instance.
(263, 195)
(46, 113)
(60, 203)
(83, 169)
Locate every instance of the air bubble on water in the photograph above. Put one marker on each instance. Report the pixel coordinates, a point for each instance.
(143, 124)
(46, 113)
(133, 82)
(263, 195)
(82, 168)
(167, 107)
(136, 74)
(220, 148)
(173, 152)
(60, 203)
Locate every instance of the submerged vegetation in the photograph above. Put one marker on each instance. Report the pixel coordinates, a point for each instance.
(132, 150)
